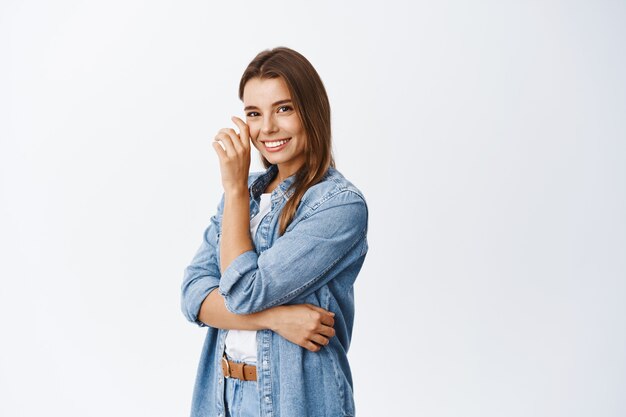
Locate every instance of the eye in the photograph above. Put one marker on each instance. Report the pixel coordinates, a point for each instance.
(287, 108)
(252, 114)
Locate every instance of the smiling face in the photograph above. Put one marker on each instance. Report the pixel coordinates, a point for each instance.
(275, 128)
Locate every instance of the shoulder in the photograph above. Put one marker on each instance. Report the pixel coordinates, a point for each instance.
(333, 184)
(334, 203)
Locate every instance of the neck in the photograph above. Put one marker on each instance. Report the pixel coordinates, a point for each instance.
(285, 171)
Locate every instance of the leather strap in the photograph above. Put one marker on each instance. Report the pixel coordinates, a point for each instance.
(238, 370)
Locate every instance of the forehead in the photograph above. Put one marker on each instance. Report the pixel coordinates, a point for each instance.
(265, 91)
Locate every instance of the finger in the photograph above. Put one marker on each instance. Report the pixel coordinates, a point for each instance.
(319, 339)
(234, 137)
(326, 317)
(326, 331)
(328, 320)
(228, 143)
(320, 309)
(244, 130)
(221, 153)
(312, 346)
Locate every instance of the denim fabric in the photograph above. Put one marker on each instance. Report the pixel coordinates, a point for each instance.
(241, 398)
(316, 261)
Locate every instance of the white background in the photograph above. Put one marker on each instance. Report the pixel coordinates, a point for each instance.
(488, 137)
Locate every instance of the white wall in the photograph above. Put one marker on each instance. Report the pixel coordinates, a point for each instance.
(489, 139)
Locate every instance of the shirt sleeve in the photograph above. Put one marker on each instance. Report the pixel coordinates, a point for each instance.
(203, 273)
(310, 253)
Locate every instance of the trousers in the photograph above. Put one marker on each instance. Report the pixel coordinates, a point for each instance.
(241, 398)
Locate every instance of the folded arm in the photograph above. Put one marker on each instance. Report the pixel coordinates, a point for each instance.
(312, 251)
(303, 324)
(213, 313)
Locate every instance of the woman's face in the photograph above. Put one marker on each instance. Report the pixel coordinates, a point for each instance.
(275, 127)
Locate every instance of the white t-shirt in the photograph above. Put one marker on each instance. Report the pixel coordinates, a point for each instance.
(241, 344)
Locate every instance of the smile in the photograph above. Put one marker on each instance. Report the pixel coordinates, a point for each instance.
(276, 145)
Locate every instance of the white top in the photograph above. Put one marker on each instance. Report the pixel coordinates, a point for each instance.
(241, 344)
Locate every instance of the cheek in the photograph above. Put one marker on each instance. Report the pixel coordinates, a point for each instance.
(254, 130)
(254, 135)
(294, 127)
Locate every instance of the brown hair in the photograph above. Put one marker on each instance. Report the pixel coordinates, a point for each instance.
(311, 105)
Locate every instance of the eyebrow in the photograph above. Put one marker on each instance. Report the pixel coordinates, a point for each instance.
(273, 105)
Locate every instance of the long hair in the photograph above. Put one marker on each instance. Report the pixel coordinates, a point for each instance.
(312, 107)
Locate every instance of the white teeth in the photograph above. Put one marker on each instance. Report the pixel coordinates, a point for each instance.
(275, 144)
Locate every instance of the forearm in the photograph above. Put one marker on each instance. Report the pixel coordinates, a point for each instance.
(213, 313)
(235, 238)
(305, 325)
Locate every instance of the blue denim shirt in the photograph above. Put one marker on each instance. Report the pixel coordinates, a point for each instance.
(316, 261)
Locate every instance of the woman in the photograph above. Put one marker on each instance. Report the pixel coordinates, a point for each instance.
(283, 252)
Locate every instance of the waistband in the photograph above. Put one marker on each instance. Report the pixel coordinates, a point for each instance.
(238, 370)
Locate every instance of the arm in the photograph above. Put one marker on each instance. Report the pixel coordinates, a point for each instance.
(234, 166)
(306, 325)
(236, 242)
(199, 302)
(235, 225)
(202, 275)
(312, 251)
(213, 313)
(303, 324)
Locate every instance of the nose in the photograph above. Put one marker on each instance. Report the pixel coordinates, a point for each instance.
(269, 125)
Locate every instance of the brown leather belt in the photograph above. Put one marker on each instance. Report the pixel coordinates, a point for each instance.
(238, 370)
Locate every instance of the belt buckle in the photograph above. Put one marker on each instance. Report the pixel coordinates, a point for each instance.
(224, 360)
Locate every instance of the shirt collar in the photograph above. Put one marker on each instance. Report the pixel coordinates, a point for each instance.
(260, 184)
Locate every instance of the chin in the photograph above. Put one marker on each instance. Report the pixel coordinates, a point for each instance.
(272, 159)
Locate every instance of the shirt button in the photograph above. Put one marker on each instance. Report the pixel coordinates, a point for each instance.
(265, 362)
(219, 381)
(267, 399)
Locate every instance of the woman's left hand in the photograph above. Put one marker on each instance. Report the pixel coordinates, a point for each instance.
(306, 325)
(235, 156)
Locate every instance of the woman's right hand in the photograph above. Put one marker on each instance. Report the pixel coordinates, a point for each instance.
(306, 325)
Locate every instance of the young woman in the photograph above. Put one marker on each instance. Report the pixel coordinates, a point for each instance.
(273, 278)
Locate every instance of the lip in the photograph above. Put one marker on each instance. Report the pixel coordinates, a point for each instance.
(277, 148)
(272, 140)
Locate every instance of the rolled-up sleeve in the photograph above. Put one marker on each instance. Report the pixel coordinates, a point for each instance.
(312, 251)
(203, 273)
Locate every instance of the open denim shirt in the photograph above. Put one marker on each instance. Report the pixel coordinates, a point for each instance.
(315, 261)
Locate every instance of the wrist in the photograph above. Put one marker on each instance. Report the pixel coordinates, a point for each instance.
(269, 319)
(236, 191)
